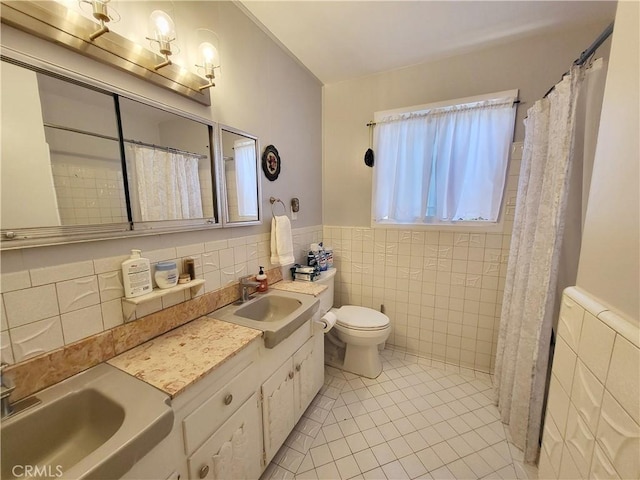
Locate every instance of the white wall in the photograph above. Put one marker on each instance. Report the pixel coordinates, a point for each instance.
(441, 289)
(29, 199)
(532, 65)
(261, 90)
(609, 267)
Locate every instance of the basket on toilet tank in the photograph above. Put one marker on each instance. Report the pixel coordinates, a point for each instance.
(358, 331)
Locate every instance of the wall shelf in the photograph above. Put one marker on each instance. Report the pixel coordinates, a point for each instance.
(129, 305)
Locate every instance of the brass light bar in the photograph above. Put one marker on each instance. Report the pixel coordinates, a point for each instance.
(55, 23)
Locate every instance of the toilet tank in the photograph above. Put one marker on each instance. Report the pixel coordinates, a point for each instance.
(326, 298)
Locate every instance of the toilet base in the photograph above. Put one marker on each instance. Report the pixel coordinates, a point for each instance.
(362, 360)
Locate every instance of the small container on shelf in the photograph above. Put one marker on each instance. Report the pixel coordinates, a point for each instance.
(190, 267)
(166, 274)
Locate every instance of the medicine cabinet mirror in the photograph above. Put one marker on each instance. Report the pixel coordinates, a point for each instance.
(80, 162)
(241, 182)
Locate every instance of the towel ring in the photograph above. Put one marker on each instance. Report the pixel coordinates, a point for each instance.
(272, 201)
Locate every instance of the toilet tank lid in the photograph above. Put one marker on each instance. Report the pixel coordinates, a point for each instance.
(361, 317)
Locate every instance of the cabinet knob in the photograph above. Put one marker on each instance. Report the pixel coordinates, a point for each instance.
(203, 471)
(298, 366)
(228, 399)
(291, 374)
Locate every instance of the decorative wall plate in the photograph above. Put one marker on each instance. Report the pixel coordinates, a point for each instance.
(271, 162)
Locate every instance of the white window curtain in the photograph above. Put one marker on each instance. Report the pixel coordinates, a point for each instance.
(447, 163)
(167, 183)
(246, 177)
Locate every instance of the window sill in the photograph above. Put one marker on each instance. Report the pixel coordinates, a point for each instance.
(489, 227)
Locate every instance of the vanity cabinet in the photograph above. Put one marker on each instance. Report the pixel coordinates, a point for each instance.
(233, 451)
(231, 422)
(217, 408)
(288, 392)
(221, 423)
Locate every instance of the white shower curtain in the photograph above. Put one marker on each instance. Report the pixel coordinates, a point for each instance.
(246, 177)
(167, 183)
(528, 302)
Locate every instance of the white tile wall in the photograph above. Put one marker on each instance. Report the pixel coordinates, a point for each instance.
(46, 308)
(441, 289)
(592, 422)
(89, 194)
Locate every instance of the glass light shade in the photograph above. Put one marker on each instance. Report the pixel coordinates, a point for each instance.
(162, 26)
(208, 54)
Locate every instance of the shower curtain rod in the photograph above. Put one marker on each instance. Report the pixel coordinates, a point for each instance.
(588, 53)
(115, 139)
(584, 56)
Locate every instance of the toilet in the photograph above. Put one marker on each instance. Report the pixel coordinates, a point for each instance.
(353, 343)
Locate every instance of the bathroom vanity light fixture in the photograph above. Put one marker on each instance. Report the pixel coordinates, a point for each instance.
(103, 14)
(57, 22)
(164, 31)
(208, 54)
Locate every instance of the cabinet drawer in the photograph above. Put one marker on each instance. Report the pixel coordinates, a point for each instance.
(219, 407)
(234, 451)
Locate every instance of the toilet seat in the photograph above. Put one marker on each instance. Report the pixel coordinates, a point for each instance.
(361, 318)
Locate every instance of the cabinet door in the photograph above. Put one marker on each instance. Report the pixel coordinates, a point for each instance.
(277, 409)
(206, 419)
(309, 374)
(234, 451)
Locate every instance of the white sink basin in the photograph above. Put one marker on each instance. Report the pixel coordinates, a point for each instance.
(278, 315)
(94, 425)
(269, 308)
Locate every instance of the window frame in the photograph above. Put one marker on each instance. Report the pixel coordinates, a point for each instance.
(476, 226)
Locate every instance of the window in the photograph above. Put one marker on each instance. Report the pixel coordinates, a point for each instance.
(443, 163)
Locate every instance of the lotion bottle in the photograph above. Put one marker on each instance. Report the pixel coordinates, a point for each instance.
(262, 278)
(136, 275)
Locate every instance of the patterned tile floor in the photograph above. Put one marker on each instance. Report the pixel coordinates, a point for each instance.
(418, 419)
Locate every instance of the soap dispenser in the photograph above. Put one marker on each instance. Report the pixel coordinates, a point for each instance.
(262, 278)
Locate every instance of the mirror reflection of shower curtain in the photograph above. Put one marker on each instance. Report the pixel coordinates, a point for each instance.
(246, 177)
(167, 183)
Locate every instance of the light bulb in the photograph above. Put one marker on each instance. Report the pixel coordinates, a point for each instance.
(208, 52)
(162, 25)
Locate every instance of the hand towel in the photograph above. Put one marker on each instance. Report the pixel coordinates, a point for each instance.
(281, 241)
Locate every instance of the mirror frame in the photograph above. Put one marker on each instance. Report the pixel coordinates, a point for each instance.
(10, 239)
(224, 210)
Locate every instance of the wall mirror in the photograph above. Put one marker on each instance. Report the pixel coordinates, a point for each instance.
(241, 183)
(80, 162)
(169, 168)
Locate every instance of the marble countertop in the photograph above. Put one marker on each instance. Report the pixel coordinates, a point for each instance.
(179, 358)
(301, 286)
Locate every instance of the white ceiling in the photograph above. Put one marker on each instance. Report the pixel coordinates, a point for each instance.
(341, 40)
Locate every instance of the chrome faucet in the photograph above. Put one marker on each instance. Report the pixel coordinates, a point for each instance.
(245, 283)
(5, 390)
